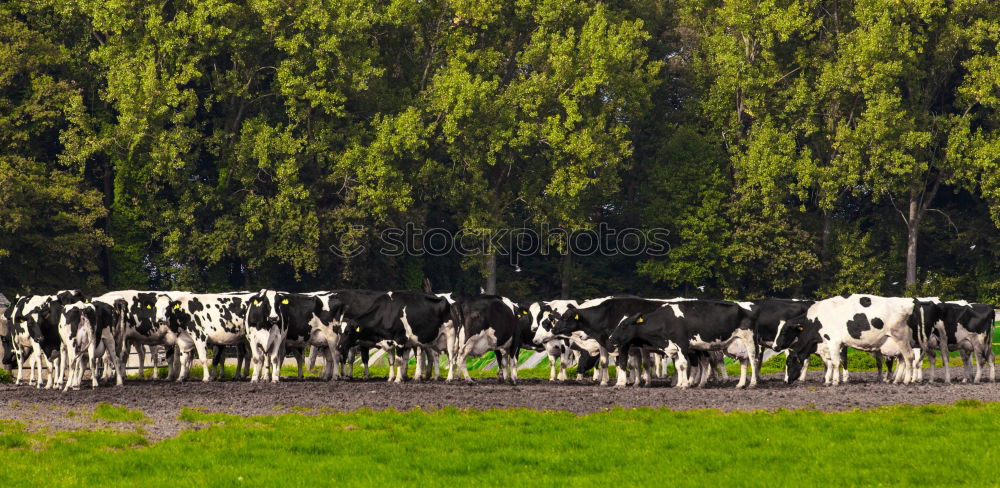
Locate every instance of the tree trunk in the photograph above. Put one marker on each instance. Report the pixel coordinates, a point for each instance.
(564, 274)
(912, 232)
(491, 273)
(109, 199)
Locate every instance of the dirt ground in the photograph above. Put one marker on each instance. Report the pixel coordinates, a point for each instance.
(162, 401)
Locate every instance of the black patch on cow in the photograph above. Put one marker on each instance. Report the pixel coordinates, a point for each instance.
(859, 324)
(877, 323)
(826, 336)
(866, 302)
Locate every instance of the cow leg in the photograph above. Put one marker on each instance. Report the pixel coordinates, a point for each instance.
(298, 353)
(681, 370)
(647, 369)
(743, 372)
(918, 363)
(418, 373)
(605, 375)
(931, 359)
(365, 360)
(879, 360)
(833, 350)
(277, 359)
(201, 347)
(402, 365)
(945, 359)
(966, 363)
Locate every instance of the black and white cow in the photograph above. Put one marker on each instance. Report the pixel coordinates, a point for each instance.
(91, 329)
(146, 324)
(967, 328)
(558, 349)
(486, 323)
(35, 330)
(278, 320)
(351, 304)
(198, 320)
(863, 322)
(590, 325)
(401, 320)
(687, 330)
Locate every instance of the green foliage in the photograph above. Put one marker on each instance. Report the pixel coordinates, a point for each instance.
(790, 148)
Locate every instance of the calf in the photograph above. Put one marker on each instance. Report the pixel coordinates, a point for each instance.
(683, 330)
(486, 323)
(400, 320)
(864, 322)
(197, 320)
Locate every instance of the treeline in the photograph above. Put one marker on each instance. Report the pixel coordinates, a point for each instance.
(791, 147)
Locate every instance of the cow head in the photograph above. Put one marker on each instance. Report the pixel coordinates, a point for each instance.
(350, 336)
(265, 309)
(178, 315)
(161, 309)
(624, 333)
(566, 323)
(801, 339)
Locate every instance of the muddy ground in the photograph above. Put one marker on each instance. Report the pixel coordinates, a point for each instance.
(162, 401)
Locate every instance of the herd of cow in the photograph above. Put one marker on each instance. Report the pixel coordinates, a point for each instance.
(69, 333)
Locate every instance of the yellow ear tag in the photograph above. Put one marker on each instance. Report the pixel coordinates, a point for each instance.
(358, 329)
(177, 306)
(577, 317)
(641, 320)
(284, 302)
(149, 306)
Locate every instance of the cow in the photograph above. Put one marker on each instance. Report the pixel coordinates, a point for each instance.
(542, 315)
(486, 323)
(863, 322)
(968, 328)
(91, 329)
(276, 320)
(35, 327)
(689, 329)
(351, 304)
(590, 325)
(402, 320)
(145, 324)
(197, 320)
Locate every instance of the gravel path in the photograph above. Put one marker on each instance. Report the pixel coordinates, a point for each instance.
(162, 401)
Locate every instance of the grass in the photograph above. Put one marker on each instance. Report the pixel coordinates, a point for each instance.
(111, 413)
(886, 446)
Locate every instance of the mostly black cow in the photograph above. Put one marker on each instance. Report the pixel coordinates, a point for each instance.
(686, 331)
(486, 323)
(399, 321)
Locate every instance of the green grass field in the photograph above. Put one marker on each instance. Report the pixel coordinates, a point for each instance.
(887, 446)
